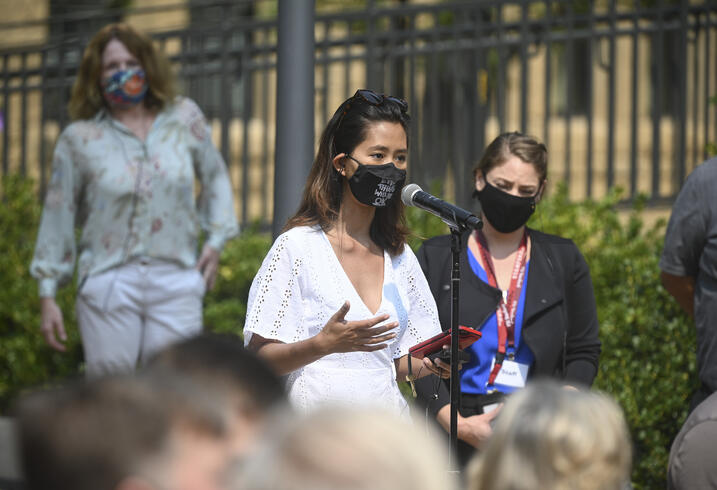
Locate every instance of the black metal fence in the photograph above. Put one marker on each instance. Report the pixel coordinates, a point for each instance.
(619, 92)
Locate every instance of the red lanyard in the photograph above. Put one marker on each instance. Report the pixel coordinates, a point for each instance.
(508, 306)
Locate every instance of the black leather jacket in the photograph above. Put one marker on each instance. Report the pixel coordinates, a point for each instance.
(560, 318)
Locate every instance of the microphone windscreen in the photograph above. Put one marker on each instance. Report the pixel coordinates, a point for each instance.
(408, 192)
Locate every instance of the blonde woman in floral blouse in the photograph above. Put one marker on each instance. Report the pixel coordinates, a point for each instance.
(124, 173)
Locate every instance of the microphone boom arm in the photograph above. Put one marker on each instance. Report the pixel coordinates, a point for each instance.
(452, 215)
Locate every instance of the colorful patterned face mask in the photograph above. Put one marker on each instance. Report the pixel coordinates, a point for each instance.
(125, 87)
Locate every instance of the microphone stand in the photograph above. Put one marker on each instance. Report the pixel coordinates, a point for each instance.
(458, 220)
(455, 388)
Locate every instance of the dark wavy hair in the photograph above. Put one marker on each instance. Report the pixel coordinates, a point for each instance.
(87, 97)
(324, 188)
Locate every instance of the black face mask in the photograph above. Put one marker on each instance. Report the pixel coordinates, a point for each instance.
(376, 185)
(505, 212)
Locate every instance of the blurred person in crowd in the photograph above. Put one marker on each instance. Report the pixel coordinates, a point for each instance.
(220, 363)
(340, 297)
(692, 457)
(689, 266)
(547, 436)
(377, 450)
(124, 433)
(529, 293)
(124, 172)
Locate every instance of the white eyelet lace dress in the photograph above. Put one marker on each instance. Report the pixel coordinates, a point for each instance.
(301, 284)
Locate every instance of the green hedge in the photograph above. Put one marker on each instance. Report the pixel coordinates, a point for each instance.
(647, 362)
(25, 361)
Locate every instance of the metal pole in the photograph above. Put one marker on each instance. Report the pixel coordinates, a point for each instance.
(455, 389)
(294, 107)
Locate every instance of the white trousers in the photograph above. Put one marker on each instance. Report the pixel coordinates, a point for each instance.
(127, 314)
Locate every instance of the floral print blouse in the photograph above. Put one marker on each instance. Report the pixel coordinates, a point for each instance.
(132, 198)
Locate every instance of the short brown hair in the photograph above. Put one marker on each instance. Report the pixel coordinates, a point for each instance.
(87, 98)
(91, 435)
(220, 362)
(525, 147)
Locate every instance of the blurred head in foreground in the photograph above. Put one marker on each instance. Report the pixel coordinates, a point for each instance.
(123, 433)
(550, 437)
(348, 449)
(241, 380)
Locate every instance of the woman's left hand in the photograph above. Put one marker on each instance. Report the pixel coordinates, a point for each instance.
(208, 264)
(437, 367)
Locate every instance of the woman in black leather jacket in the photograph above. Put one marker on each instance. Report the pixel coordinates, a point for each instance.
(528, 292)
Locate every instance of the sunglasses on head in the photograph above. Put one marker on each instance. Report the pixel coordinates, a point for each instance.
(377, 99)
(372, 98)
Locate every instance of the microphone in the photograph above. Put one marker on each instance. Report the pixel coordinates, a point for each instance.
(453, 216)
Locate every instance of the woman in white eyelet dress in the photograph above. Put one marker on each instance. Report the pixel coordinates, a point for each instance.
(340, 297)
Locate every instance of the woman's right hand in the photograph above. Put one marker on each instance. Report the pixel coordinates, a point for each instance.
(340, 335)
(51, 325)
(476, 429)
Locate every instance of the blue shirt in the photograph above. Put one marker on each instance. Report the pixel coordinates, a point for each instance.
(475, 373)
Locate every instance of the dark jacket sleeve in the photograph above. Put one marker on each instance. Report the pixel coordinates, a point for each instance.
(433, 393)
(582, 343)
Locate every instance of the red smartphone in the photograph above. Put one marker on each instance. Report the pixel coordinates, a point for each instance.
(466, 336)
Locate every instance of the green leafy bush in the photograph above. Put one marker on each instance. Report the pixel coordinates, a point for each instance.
(25, 360)
(647, 362)
(225, 305)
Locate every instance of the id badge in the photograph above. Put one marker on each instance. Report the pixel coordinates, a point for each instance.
(511, 374)
(489, 408)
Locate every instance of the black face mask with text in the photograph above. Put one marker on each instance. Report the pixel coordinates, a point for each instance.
(376, 185)
(505, 212)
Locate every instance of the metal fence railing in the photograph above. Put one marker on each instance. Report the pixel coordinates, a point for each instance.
(619, 93)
